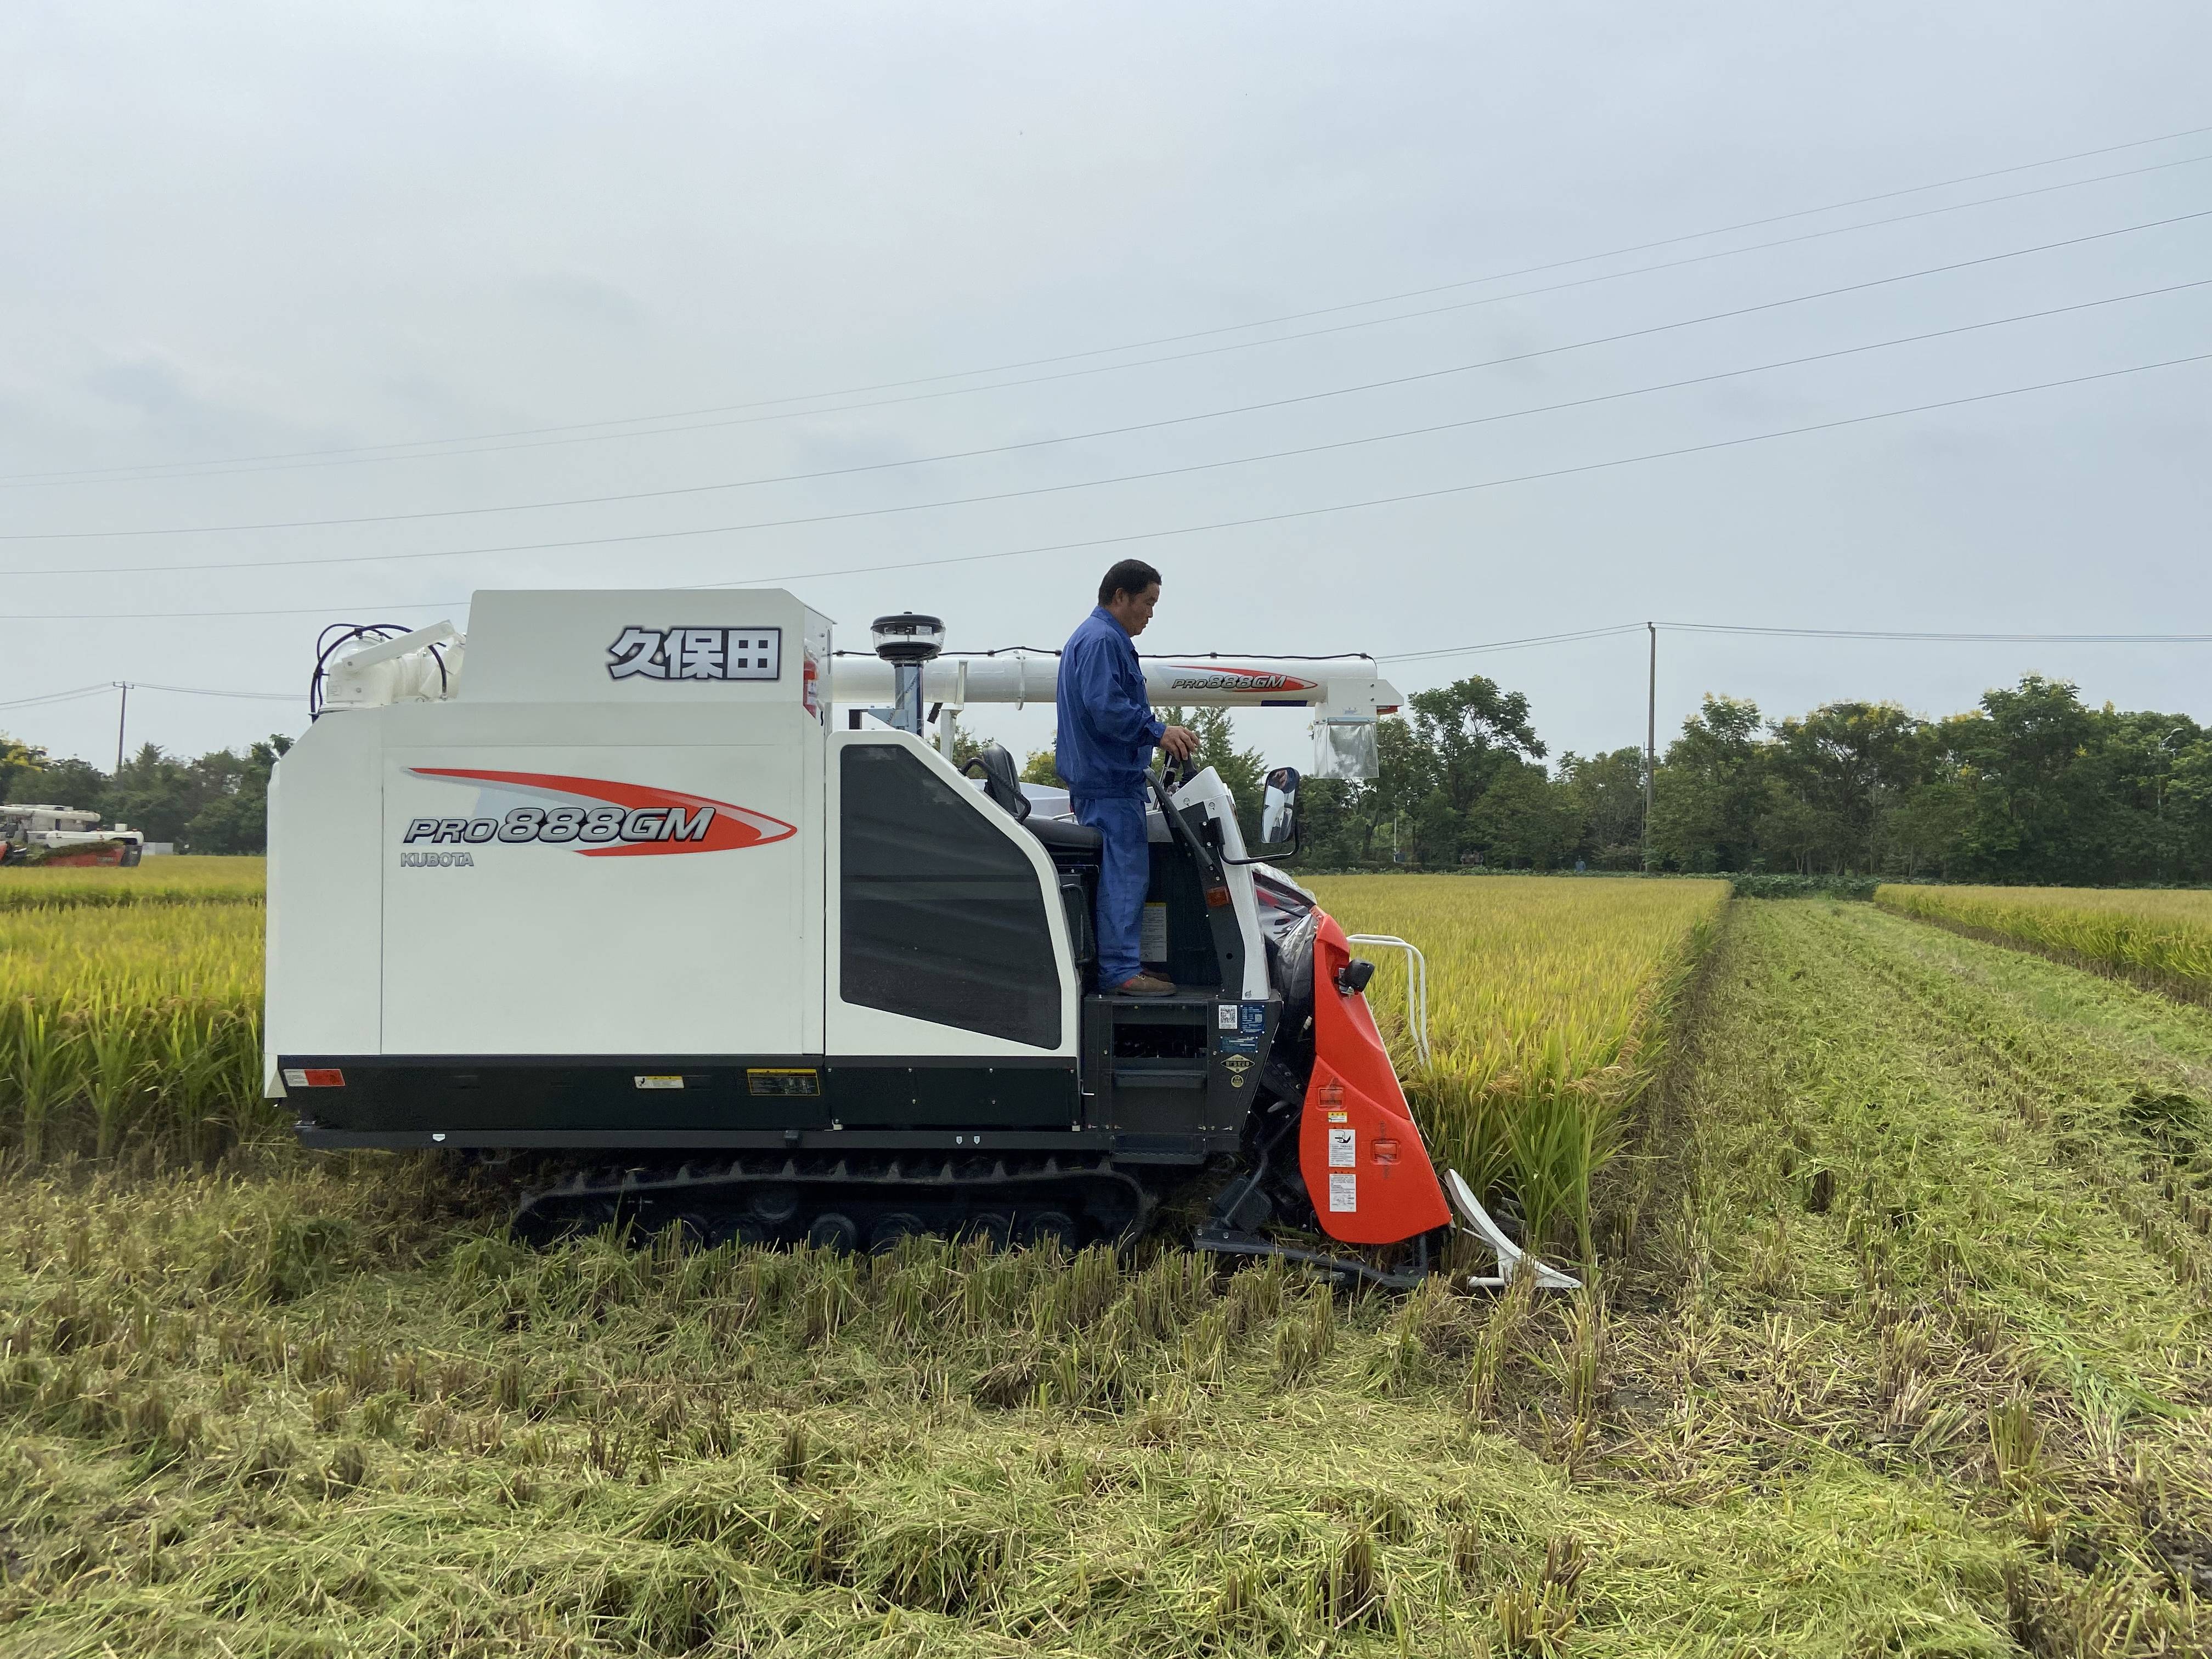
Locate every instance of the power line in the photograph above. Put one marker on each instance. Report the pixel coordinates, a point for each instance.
(1611, 630)
(101, 689)
(1512, 645)
(204, 691)
(360, 454)
(322, 560)
(106, 686)
(1232, 524)
(1139, 426)
(1907, 634)
(1953, 638)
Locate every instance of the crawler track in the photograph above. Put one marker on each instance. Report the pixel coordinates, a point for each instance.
(847, 1202)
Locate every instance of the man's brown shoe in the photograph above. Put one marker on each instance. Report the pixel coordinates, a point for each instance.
(1144, 985)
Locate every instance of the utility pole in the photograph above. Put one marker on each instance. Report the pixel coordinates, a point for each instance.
(1651, 740)
(122, 713)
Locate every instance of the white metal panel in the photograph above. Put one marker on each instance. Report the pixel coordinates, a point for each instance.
(852, 1029)
(1208, 792)
(1336, 683)
(639, 647)
(532, 948)
(326, 885)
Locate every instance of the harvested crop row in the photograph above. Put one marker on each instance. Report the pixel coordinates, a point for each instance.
(164, 881)
(2161, 939)
(1941, 1208)
(315, 1399)
(1549, 1004)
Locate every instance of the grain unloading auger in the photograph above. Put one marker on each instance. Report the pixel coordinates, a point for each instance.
(623, 898)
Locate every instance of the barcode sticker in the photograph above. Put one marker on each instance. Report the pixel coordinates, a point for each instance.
(1343, 1194)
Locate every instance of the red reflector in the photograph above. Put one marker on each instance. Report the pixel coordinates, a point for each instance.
(325, 1077)
(1216, 897)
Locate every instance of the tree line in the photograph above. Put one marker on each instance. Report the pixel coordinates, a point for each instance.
(218, 803)
(2030, 785)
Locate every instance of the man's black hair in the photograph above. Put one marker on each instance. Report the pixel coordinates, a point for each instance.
(1128, 576)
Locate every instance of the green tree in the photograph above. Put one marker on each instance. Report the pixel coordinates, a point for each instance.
(1607, 791)
(1837, 773)
(1040, 768)
(1707, 795)
(156, 794)
(2041, 814)
(1526, 820)
(18, 761)
(234, 816)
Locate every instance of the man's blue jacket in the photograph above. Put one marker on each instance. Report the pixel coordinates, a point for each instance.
(1107, 731)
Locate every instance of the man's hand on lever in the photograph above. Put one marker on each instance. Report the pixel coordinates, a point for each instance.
(1180, 741)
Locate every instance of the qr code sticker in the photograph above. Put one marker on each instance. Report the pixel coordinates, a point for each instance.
(1224, 1016)
(1343, 1194)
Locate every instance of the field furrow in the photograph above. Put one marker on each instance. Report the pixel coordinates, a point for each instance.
(2161, 939)
(1914, 1235)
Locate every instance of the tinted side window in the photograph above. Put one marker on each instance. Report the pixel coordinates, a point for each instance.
(944, 917)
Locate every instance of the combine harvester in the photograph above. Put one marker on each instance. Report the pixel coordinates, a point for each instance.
(623, 895)
(65, 837)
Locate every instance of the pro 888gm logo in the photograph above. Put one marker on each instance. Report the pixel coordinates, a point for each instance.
(596, 817)
(593, 826)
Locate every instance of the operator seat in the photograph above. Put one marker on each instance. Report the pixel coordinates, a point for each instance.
(1060, 836)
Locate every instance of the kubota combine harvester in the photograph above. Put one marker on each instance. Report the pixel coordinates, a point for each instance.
(624, 895)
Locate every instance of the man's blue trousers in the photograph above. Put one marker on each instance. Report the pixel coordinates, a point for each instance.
(1123, 879)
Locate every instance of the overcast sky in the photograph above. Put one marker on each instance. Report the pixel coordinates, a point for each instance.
(233, 233)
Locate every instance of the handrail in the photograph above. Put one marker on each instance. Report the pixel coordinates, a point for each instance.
(1417, 985)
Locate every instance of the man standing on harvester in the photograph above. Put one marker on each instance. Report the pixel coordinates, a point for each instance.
(1107, 736)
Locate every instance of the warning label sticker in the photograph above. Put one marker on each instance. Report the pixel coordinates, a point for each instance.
(1343, 1149)
(1152, 937)
(1343, 1194)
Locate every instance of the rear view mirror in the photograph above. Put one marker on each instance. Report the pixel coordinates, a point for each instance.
(1279, 808)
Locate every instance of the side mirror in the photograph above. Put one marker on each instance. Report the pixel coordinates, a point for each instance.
(1279, 808)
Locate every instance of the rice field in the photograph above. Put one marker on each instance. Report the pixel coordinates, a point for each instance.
(130, 1029)
(1902, 1355)
(1549, 1004)
(2161, 938)
(134, 1023)
(165, 880)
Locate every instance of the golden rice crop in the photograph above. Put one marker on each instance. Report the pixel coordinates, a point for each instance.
(139, 1023)
(129, 1027)
(1548, 1006)
(2164, 937)
(182, 880)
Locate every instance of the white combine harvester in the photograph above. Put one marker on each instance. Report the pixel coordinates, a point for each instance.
(65, 837)
(624, 895)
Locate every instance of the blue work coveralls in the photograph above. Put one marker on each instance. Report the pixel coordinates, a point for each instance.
(1107, 735)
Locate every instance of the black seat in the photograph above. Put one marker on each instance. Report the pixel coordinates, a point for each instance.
(1065, 835)
(1001, 782)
